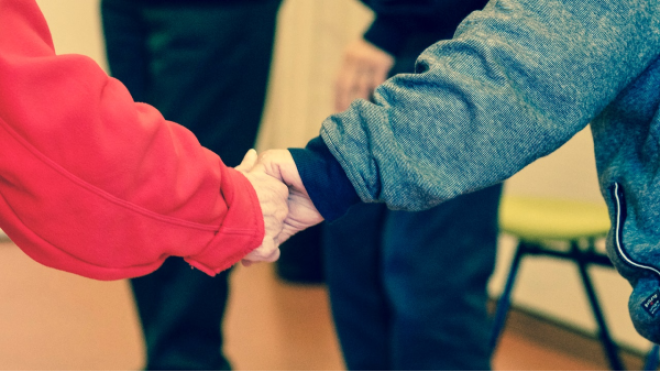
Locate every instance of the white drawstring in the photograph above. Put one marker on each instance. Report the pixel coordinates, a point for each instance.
(619, 234)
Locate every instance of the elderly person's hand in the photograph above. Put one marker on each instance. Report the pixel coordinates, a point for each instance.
(302, 212)
(272, 194)
(365, 67)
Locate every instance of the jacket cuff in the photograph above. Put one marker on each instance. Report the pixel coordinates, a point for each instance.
(387, 33)
(325, 180)
(242, 229)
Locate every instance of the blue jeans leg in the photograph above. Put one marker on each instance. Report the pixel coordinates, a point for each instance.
(360, 308)
(408, 290)
(437, 264)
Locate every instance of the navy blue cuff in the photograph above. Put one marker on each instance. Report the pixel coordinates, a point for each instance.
(325, 180)
(388, 34)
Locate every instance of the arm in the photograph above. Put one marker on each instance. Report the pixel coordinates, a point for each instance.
(95, 184)
(518, 80)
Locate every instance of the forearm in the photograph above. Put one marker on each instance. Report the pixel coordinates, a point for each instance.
(519, 80)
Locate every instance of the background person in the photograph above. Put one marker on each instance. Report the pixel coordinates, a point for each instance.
(203, 64)
(413, 294)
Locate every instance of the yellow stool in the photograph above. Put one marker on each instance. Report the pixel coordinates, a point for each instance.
(537, 223)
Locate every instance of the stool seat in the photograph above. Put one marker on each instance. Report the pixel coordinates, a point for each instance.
(537, 219)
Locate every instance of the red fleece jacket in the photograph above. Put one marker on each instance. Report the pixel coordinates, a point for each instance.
(98, 185)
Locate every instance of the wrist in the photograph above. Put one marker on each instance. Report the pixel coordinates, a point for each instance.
(324, 179)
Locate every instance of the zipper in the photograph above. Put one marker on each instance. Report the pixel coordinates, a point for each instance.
(620, 207)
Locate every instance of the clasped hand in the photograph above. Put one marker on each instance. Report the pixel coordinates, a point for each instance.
(285, 204)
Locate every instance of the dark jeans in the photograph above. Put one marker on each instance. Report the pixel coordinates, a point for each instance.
(206, 67)
(409, 290)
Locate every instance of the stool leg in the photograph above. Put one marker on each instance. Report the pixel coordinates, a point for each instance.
(504, 302)
(652, 359)
(609, 346)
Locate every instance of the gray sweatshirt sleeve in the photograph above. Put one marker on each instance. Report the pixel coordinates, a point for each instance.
(518, 80)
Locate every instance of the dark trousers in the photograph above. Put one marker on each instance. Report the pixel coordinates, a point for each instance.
(206, 67)
(409, 290)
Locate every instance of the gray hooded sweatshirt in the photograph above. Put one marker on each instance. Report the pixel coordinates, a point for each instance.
(518, 80)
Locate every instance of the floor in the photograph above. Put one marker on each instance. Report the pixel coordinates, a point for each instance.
(51, 320)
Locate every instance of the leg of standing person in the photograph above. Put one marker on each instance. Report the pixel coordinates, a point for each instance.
(409, 290)
(204, 66)
(361, 311)
(301, 261)
(436, 268)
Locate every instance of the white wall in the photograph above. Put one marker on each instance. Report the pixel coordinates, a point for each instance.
(310, 39)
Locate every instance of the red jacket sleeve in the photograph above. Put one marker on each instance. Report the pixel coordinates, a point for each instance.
(98, 185)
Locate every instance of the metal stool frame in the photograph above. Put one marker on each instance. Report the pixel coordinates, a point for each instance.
(583, 258)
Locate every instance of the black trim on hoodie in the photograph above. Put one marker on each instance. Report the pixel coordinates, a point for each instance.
(325, 180)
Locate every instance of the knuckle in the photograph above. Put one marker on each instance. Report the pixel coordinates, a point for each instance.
(281, 214)
(267, 154)
(266, 157)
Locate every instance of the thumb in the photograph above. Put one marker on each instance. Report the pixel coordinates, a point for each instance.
(287, 232)
(248, 162)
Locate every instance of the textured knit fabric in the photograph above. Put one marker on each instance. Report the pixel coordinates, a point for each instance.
(395, 20)
(95, 184)
(519, 80)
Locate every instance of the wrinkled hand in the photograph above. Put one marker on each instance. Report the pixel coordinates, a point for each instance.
(302, 212)
(365, 67)
(272, 195)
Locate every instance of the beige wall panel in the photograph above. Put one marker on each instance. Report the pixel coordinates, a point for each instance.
(76, 27)
(310, 40)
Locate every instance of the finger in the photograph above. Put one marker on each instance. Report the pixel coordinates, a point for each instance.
(248, 162)
(363, 85)
(258, 168)
(267, 252)
(268, 163)
(246, 263)
(287, 232)
(277, 164)
(264, 251)
(344, 86)
(273, 256)
(378, 77)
